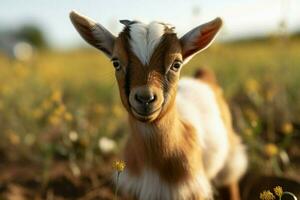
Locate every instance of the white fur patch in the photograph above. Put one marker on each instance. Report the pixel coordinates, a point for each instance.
(145, 38)
(149, 186)
(197, 104)
(235, 166)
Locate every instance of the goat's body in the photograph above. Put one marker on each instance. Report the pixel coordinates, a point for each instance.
(202, 105)
(181, 137)
(197, 105)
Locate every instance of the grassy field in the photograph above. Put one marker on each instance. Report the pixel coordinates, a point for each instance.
(62, 124)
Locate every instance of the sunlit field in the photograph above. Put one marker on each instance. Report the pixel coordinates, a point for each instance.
(62, 124)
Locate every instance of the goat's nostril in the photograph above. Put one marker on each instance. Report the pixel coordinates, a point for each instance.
(145, 99)
(137, 98)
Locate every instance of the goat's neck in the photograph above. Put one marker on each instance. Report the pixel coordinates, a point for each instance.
(168, 145)
(161, 135)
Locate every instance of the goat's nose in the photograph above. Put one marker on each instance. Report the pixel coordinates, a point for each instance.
(146, 98)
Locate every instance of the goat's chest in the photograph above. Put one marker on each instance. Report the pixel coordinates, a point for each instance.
(148, 185)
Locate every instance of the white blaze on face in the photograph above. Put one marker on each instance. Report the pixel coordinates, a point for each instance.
(145, 38)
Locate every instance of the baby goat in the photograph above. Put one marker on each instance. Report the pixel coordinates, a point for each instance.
(181, 136)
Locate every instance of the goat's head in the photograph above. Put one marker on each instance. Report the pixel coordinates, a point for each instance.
(147, 60)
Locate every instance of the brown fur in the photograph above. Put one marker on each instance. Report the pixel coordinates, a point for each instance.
(206, 75)
(173, 153)
(152, 75)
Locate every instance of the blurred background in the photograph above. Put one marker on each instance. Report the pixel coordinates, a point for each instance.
(61, 121)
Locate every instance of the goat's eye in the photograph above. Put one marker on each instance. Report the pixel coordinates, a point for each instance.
(116, 64)
(176, 66)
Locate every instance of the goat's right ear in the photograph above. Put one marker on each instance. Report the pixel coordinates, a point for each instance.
(199, 38)
(93, 33)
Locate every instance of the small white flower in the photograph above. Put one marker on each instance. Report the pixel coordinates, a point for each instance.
(73, 135)
(75, 169)
(106, 145)
(23, 51)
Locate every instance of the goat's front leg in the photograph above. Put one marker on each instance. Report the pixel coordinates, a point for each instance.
(234, 191)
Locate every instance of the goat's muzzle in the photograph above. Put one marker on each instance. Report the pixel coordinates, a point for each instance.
(145, 102)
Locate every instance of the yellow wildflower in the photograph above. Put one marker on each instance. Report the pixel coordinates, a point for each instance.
(278, 191)
(117, 111)
(37, 113)
(252, 85)
(13, 137)
(56, 96)
(287, 128)
(270, 94)
(271, 149)
(7, 90)
(119, 165)
(248, 131)
(253, 123)
(99, 109)
(29, 139)
(111, 127)
(68, 116)
(267, 195)
(46, 104)
(251, 114)
(54, 120)
(60, 110)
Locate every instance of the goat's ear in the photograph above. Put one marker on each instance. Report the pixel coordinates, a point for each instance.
(93, 33)
(199, 38)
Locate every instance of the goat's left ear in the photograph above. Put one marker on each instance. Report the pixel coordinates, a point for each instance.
(93, 33)
(199, 38)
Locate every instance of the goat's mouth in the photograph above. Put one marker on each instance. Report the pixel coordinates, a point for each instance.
(145, 115)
